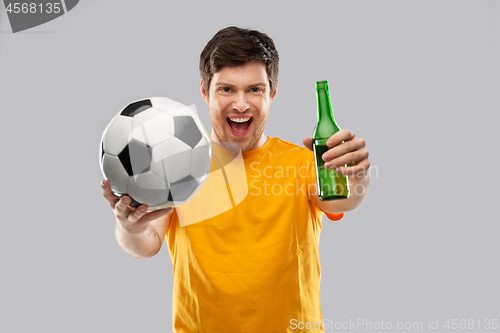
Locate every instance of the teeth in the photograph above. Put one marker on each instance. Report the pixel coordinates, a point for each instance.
(239, 120)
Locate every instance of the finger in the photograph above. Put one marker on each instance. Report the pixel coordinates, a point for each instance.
(359, 170)
(344, 148)
(337, 138)
(156, 214)
(108, 194)
(355, 156)
(308, 143)
(122, 208)
(137, 213)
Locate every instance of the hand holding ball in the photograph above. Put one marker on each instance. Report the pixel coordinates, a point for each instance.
(157, 152)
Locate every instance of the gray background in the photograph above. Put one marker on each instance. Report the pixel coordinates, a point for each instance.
(418, 80)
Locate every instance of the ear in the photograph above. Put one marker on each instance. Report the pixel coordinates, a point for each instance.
(274, 92)
(204, 93)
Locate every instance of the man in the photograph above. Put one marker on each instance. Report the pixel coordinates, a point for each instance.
(255, 267)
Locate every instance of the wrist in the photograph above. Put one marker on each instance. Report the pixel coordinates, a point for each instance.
(138, 243)
(131, 232)
(360, 177)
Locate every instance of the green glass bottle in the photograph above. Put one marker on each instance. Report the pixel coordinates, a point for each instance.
(331, 186)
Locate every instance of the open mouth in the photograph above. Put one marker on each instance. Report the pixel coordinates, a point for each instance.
(239, 125)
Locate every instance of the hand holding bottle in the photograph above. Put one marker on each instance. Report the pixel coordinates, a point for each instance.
(333, 150)
(345, 148)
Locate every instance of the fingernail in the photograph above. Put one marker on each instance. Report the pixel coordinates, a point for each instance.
(326, 157)
(143, 209)
(328, 165)
(329, 143)
(126, 200)
(102, 183)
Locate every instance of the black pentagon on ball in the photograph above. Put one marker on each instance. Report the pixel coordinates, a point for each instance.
(136, 108)
(102, 149)
(186, 130)
(136, 157)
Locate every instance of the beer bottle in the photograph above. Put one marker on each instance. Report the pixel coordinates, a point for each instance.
(331, 186)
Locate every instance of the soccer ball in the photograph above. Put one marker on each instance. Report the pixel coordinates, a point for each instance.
(157, 151)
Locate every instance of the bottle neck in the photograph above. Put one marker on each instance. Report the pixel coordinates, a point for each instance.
(324, 106)
(326, 122)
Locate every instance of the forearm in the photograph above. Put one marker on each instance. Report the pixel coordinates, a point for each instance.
(140, 245)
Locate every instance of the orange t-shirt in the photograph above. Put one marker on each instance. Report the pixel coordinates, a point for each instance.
(255, 267)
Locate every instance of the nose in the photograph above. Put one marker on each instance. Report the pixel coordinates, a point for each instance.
(240, 103)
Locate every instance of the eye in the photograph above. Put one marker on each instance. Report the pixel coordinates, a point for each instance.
(256, 90)
(225, 89)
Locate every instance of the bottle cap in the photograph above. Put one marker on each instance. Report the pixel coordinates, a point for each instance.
(322, 84)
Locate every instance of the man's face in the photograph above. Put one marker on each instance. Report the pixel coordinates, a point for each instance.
(239, 100)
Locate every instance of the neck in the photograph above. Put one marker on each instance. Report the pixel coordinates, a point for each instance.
(262, 140)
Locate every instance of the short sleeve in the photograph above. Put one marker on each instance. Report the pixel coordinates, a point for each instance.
(311, 179)
(334, 217)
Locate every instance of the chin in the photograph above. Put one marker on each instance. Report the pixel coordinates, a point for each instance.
(243, 143)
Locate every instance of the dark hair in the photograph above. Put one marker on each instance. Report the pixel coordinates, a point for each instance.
(233, 46)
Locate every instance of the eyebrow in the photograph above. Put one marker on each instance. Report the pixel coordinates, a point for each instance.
(258, 84)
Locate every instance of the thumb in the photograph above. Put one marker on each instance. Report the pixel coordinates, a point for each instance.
(308, 143)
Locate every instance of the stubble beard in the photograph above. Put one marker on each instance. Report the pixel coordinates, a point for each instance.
(244, 144)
